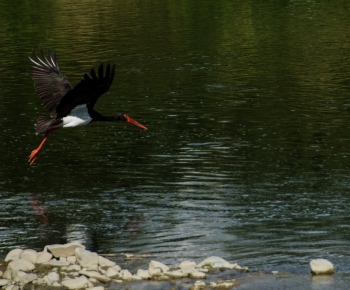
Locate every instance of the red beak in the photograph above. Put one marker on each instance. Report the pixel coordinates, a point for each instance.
(132, 121)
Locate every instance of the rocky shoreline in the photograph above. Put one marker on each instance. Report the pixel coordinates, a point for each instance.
(71, 266)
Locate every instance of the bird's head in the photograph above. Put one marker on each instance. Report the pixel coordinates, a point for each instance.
(126, 118)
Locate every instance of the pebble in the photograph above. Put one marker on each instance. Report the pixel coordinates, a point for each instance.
(97, 288)
(154, 272)
(51, 278)
(321, 266)
(43, 257)
(7, 275)
(112, 273)
(73, 267)
(197, 275)
(21, 265)
(105, 263)
(4, 282)
(76, 283)
(155, 264)
(27, 278)
(96, 275)
(198, 285)
(143, 274)
(128, 256)
(86, 258)
(56, 263)
(185, 264)
(175, 274)
(13, 255)
(215, 262)
(125, 275)
(28, 255)
(65, 250)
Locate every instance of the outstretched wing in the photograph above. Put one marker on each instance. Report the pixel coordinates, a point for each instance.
(87, 91)
(49, 83)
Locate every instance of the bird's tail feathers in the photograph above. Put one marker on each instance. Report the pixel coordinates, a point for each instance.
(43, 124)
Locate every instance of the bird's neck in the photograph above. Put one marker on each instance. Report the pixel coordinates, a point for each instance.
(96, 116)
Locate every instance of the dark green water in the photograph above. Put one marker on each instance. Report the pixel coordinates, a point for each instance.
(247, 155)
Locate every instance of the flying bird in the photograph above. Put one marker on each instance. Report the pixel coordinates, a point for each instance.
(69, 106)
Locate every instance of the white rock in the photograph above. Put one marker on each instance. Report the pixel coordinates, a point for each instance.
(56, 284)
(188, 269)
(20, 274)
(136, 278)
(96, 275)
(76, 283)
(187, 264)
(41, 281)
(197, 275)
(52, 278)
(11, 287)
(117, 268)
(56, 263)
(215, 262)
(125, 275)
(28, 278)
(156, 264)
(153, 272)
(233, 266)
(105, 263)
(21, 265)
(71, 259)
(226, 285)
(112, 273)
(73, 268)
(128, 256)
(64, 250)
(97, 288)
(43, 257)
(198, 285)
(321, 266)
(175, 274)
(13, 255)
(7, 275)
(3, 282)
(93, 280)
(29, 255)
(162, 278)
(92, 268)
(143, 274)
(118, 281)
(86, 258)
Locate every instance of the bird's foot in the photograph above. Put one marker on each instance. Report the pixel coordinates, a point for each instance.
(33, 156)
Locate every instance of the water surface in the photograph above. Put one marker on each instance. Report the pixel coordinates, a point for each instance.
(247, 154)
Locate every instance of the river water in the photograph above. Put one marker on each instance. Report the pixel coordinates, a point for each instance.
(247, 155)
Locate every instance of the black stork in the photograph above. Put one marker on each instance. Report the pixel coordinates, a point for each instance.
(69, 106)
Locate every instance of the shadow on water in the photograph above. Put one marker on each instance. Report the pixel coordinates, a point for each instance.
(246, 156)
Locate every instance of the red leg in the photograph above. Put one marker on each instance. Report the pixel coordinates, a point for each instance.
(36, 151)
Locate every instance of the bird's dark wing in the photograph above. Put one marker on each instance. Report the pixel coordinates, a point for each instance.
(49, 83)
(87, 91)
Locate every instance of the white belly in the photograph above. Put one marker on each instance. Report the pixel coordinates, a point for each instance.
(77, 117)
